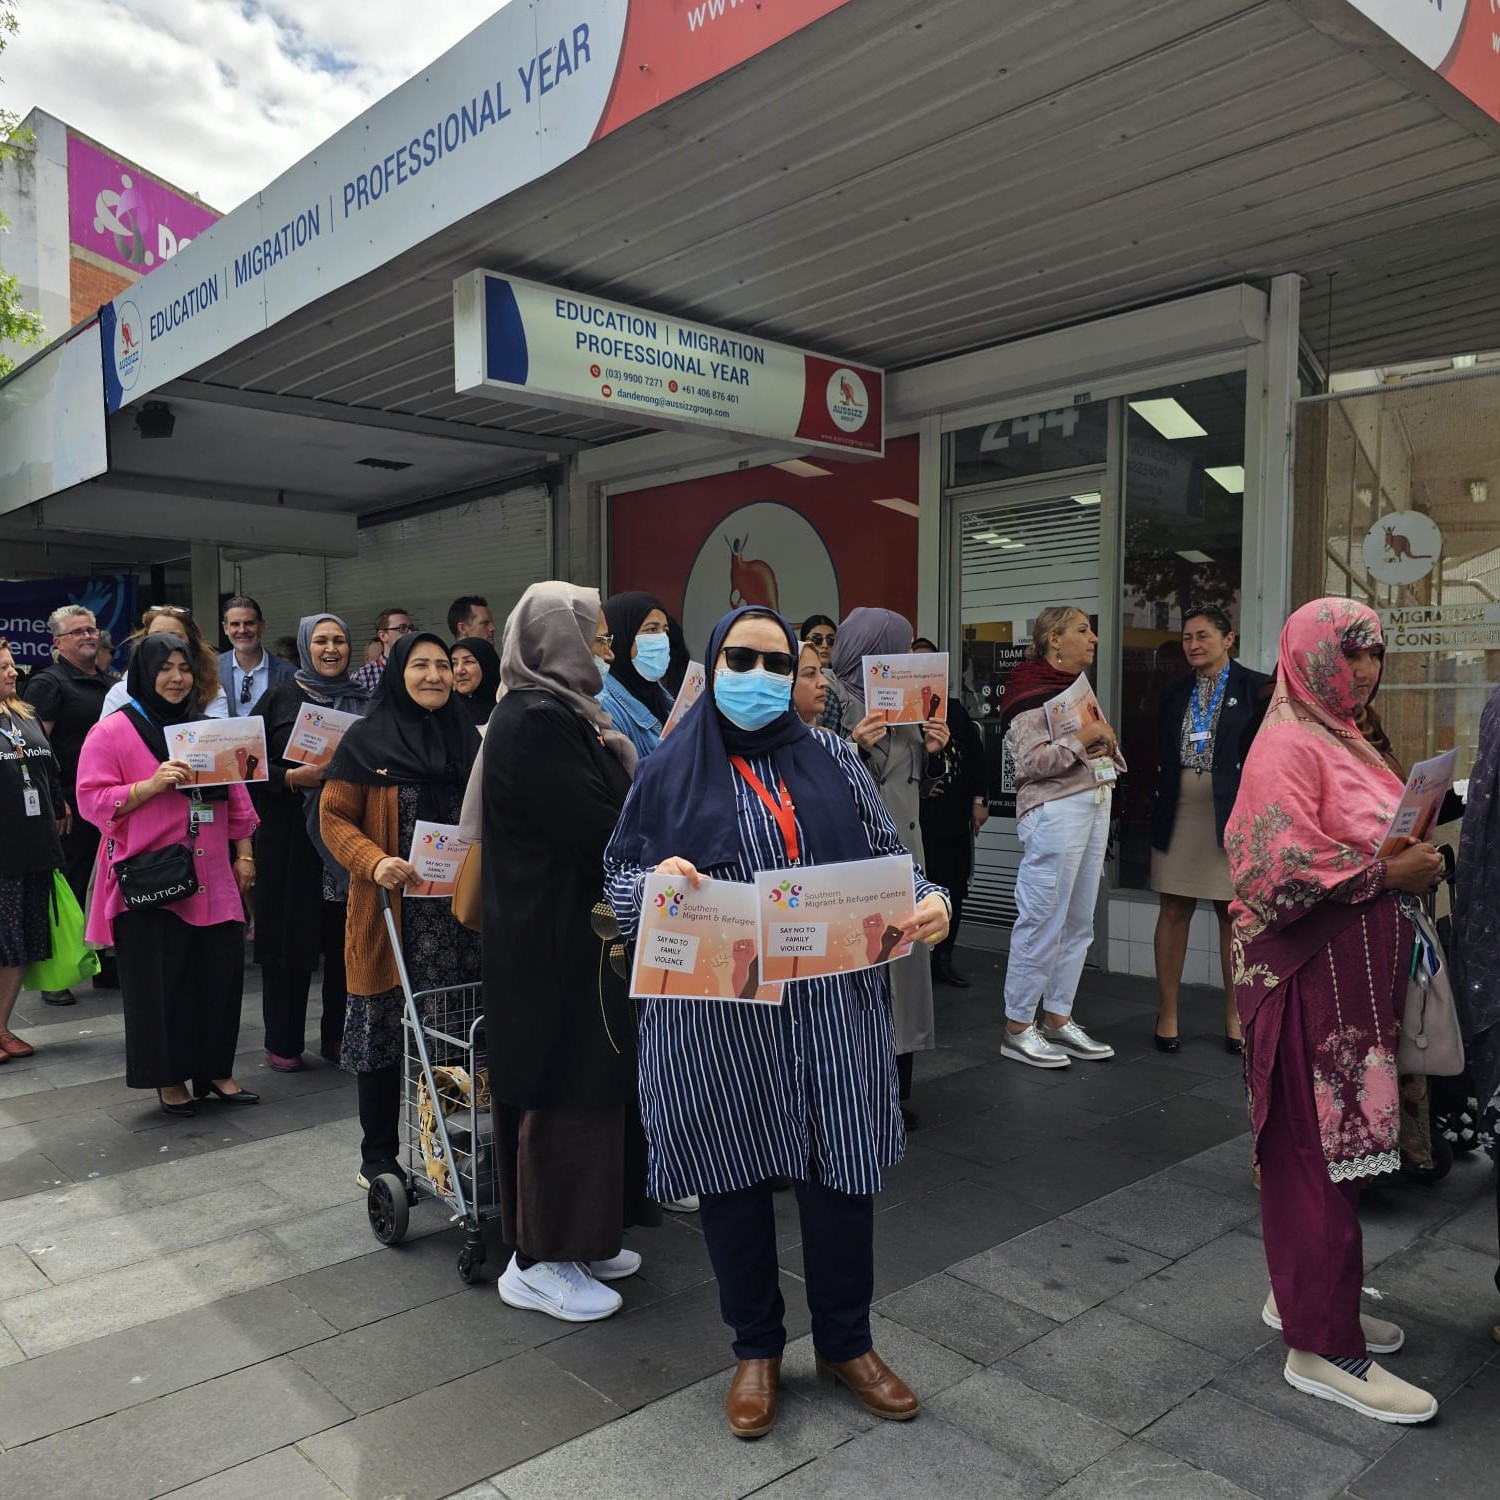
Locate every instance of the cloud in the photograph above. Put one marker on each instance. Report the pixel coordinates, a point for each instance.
(221, 96)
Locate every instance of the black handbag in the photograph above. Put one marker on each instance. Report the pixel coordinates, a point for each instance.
(159, 877)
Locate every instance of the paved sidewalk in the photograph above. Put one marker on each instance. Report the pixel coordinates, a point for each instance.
(1069, 1273)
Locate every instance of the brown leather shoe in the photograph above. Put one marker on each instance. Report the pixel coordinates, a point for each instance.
(751, 1402)
(878, 1389)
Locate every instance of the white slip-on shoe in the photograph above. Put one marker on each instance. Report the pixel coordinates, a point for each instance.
(1379, 1394)
(1071, 1037)
(1033, 1049)
(561, 1289)
(1380, 1337)
(687, 1205)
(617, 1267)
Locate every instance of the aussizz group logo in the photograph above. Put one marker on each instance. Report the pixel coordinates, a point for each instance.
(848, 401)
(669, 901)
(788, 895)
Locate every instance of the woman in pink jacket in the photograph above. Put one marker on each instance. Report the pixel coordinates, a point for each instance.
(182, 965)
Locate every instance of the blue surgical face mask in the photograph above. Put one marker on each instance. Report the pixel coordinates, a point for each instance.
(751, 700)
(603, 666)
(653, 655)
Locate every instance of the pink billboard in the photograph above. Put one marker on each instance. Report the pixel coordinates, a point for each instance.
(119, 213)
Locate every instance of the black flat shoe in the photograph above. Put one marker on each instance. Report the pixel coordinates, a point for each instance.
(944, 972)
(911, 1119)
(1234, 1046)
(183, 1111)
(244, 1096)
(1166, 1043)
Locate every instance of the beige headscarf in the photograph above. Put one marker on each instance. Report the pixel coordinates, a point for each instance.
(549, 644)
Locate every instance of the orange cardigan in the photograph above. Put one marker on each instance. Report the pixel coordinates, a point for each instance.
(361, 826)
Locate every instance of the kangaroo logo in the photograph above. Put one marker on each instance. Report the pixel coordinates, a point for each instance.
(1398, 547)
(750, 582)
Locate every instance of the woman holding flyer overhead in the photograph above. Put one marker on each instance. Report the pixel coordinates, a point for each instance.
(1064, 785)
(407, 760)
(181, 960)
(903, 760)
(734, 1095)
(299, 917)
(1322, 955)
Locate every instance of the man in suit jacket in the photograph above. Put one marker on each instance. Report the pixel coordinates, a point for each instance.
(248, 669)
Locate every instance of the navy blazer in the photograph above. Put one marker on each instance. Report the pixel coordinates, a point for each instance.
(281, 671)
(1243, 708)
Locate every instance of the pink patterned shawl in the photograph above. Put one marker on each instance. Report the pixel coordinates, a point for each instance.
(1318, 942)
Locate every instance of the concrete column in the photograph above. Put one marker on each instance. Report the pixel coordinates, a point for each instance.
(933, 606)
(205, 585)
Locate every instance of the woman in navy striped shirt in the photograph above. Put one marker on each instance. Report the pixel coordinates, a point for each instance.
(734, 1095)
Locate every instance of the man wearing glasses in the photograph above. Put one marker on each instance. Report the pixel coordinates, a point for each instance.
(390, 625)
(68, 698)
(247, 669)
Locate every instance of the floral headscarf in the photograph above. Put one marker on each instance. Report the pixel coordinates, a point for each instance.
(1316, 797)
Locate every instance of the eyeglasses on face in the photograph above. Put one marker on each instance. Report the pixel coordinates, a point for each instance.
(607, 641)
(818, 638)
(744, 658)
(168, 609)
(405, 629)
(83, 631)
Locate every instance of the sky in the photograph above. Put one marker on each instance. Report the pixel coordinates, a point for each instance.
(220, 96)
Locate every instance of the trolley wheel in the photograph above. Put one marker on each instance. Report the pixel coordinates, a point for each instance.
(471, 1260)
(388, 1208)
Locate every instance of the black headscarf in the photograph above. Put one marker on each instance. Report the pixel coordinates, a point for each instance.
(481, 702)
(401, 743)
(684, 798)
(1476, 915)
(148, 710)
(681, 659)
(624, 614)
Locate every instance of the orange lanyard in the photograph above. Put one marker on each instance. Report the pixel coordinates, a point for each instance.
(780, 807)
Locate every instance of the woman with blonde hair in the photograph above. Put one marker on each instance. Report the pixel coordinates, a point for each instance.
(208, 700)
(1064, 788)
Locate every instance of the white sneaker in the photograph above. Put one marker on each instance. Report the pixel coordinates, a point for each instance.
(1380, 1394)
(561, 1289)
(1380, 1337)
(1033, 1049)
(688, 1205)
(1071, 1037)
(617, 1267)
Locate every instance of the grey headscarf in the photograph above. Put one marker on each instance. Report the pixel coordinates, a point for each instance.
(341, 692)
(867, 632)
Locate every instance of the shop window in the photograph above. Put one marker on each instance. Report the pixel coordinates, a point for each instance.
(1183, 546)
(1070, 437)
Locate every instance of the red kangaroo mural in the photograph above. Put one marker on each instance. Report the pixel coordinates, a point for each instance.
(750, 582)
(1399, 546)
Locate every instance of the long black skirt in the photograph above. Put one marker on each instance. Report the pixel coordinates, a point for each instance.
(181, 988)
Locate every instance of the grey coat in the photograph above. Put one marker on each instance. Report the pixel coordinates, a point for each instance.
(897, 766)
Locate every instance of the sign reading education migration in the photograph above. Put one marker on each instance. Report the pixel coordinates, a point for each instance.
(565, 351)
(527, 90)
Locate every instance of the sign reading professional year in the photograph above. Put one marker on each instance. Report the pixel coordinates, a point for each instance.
(562, 350)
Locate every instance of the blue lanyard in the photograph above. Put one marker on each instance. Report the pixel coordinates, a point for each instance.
(1201, 723)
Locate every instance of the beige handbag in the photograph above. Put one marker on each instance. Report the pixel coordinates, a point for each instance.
(468, 900)
(1429, 1041)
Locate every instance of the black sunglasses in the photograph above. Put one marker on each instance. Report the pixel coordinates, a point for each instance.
(819, 639)
(743, 658)
(245, 687)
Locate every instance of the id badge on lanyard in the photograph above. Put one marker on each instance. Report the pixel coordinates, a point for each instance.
(31, 799)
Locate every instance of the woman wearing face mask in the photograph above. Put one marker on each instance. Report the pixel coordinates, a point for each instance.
(408, 759)
(733, 1096)
(299, 917)
(182, 965)
(903, 760)
(476, 676)
(632, 692)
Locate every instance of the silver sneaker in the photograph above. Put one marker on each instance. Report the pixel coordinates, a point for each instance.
(1033, 1049)
(1071, 1037)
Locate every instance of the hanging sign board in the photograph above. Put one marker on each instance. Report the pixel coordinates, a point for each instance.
(1458, 39)
(566, 351)
(1441, 627)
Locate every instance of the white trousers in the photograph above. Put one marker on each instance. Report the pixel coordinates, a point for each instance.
(1064, 842)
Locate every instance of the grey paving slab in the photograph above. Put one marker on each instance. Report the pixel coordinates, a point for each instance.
(90, 1380)
(18, 1273)
(172, 1442)
(1438, 1359)
(1225, 1167)
(10, 1350)
(1473, 1227)
(1037, 1122)
(680, 1448)
(85, 1146)
(1458, 1454)
(507, 1413)
(1059, 1269)
(17, 1084)
(1115, 1369)
(103, 1244)
(385, 1362)
(289, 1114)
(375, 1286)
(1065, 1174)
(964, 1317)
(899, 1460)
(1392, 1216)
(1252, 1448)
(48, 1103)
(940, 1061)
(1138, 1471)
(1439, 1282)
(1161, 1133)
(329, 1236)
(960, 1094)
(1229, 1090)
(1033, 1433)
(674, 1256)
(1162, 1214)
(1211, 1298)
(29, 1173)
(918, 1172)
(131, 1295)
(284, 1473)
(1125, 1084)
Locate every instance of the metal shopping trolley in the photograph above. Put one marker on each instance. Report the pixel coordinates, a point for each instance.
(447, 1138)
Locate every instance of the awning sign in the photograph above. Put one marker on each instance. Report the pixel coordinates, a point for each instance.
(565, 351)
(1458, 39)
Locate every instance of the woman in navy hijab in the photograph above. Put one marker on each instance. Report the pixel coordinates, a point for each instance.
(734, 1095)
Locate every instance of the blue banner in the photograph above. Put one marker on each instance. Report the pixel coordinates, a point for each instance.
(26, 603)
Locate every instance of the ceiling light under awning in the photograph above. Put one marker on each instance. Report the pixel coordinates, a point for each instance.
(802, 469)
(1169, 417)
(906, 507)
(1229, 477)
(1092, 498)
(1193, 555)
